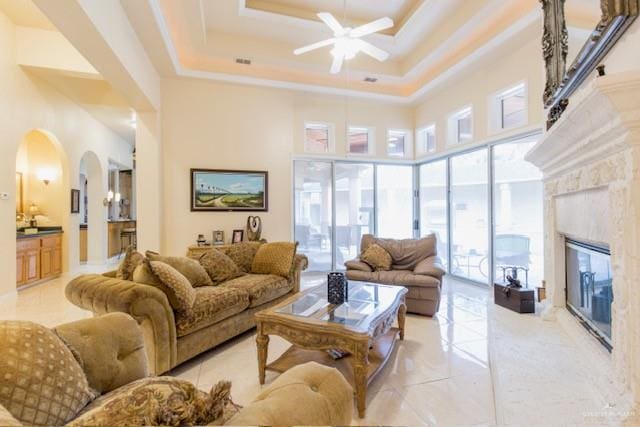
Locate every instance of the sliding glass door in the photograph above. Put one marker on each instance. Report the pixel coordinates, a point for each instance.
(395, 201)
(517, 212)
(470, 216)
(433, 205)
(313, 198)
(354, 208)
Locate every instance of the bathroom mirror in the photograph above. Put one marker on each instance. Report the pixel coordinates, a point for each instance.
(579, 33)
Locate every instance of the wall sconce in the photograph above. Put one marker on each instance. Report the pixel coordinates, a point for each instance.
(46, 175)
(108, 199)
(111, 197)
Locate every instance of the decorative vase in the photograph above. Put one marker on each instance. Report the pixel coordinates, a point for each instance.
(337, 288)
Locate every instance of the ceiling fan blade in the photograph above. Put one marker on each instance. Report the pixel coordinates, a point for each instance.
(332, 23)
(371, 50)
(314, 46)
(372, 27)
(336, 66)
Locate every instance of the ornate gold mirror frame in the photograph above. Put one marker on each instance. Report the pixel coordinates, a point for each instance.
(616, 17)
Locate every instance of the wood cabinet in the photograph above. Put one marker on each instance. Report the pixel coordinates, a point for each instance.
(38, 258)
(84, 253)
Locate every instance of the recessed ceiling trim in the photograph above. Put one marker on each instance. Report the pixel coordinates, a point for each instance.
(410, 99)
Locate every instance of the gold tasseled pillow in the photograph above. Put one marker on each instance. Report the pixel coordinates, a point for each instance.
(179, 291)
(274, 258)
(219, 267)
(190, 268)
(131, 260)
(162, 401)
(377, 257)
(42, 384)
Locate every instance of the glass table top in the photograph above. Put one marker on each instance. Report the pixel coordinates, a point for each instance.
(366, 302)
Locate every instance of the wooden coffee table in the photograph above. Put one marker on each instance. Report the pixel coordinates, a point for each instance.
(363, 327)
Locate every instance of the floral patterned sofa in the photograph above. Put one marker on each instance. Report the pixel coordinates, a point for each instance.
(219, 313)
(94, 372)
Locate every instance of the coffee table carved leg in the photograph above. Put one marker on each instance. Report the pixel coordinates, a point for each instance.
(360, 373)
(262, 341)
(402, 314)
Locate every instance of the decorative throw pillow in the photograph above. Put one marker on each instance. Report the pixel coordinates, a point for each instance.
(131, 260)
(42, 383)
(179, 291)
(219, 267)
(189, 268)
(161, 401)
(377, 257)
(241, 253)
(274, 258)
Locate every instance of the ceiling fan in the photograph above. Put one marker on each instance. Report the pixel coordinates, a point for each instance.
(347, 42)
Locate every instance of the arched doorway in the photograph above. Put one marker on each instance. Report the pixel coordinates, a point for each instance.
(92, 211)
(42, 198)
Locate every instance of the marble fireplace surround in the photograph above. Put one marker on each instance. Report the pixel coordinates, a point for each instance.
(590, 160)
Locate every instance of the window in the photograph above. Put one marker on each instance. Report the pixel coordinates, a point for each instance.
(394, 186)
(360, 140)
(512, 107)
(318, 138)
(470, 216)
(397, 143)
(433, 204)
(313, 187)
(518, 238)
(427, 140)
(460, 126)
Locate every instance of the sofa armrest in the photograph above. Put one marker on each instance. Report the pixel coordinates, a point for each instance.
(356, 264)
(306, 395)
(430, 266)
(147, 305)
(300, 263)
(111, 348)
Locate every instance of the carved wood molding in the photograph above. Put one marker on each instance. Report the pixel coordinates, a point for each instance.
(562, 82)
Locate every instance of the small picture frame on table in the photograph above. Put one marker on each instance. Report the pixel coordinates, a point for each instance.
(218, 237)
(238, 236)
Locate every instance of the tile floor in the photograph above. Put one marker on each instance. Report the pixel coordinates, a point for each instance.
(445, 373)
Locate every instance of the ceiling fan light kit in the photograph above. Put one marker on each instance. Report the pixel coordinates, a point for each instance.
(347, 42)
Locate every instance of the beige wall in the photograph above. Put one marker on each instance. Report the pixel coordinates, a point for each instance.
(224, 126)
(479, 84)
(342, 112)
(30, 103)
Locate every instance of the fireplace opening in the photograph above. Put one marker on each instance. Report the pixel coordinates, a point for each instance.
(589, 288)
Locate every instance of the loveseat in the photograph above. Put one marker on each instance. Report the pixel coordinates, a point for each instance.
(219, 312)
(94, 372)
(414, 265)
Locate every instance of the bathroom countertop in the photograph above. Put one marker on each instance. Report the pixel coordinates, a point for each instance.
(42, 231)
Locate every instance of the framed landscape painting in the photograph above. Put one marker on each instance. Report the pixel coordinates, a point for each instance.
(228, 190)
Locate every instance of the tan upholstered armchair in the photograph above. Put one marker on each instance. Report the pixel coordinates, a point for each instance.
(114, 388)
(415, 265)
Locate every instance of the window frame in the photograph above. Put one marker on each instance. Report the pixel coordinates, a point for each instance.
(453, 126)
(371, 140)
(406, 149)
(422, 143)
(331, 146)
(496, 107)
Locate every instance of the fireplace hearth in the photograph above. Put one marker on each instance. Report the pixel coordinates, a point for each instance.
(589, 287)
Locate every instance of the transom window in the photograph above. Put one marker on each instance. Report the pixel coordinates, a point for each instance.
(460, 126)
(396, 143)
(359, 140)
(427, 139)
(318, 138)
(513, 107)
